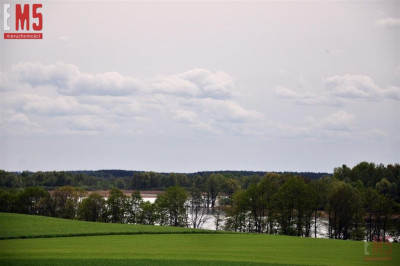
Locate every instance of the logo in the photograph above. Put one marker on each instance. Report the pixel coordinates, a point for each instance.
(377, 251)
(23, 21)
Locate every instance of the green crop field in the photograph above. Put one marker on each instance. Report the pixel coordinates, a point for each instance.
(179, 247)
(31, 226)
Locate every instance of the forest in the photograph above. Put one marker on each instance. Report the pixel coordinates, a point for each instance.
(129, 180)
(359, 203)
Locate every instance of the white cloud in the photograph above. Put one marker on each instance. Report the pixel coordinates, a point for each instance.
(186, 116)
(89, 123)
(352, 86)
(22, 120)
(60, 99)
(217, 85)
(392, 92)
(340, 88)
(61, 96)
(339, 124)
(388, 23)
(70, 81)
(35, 74)
(283, 92)
(337, 121)
(340, 120)
(30, 103)
(174, 85)
(360, 86)
(292, 131)
(196, 83)
(305, 98)
(109, 83)
(118, 105)
(18, 124)
(229, 111)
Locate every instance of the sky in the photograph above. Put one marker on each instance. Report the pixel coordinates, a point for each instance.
(192, 86)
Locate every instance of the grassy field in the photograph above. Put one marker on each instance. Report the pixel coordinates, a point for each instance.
(175, 248)
(31, 226)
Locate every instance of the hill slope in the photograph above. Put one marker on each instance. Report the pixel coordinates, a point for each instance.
(30, 226)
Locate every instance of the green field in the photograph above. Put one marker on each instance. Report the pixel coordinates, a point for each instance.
(167, 248)
(31, 226)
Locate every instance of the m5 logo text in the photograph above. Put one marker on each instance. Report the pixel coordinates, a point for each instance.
(23, 21)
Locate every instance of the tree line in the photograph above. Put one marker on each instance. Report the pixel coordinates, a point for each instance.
(73, 203)
(292, 206)
(127, 180)
(358, 203)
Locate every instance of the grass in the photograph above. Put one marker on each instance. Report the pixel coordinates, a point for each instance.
(206, 249)
(123, 262)
(30, 226)
(173, 248)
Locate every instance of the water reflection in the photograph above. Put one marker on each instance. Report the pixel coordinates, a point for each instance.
(210, 223)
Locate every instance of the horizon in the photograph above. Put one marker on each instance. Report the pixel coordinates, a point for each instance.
(174, 172)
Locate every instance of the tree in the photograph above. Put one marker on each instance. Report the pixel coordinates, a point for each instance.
(218, 216)
(230, 186)
(171, 206)
(358, 232)
(30, 199)
(163, 209)
(197, 212)
(289, 201)
(66, 201)
(117, 206)
(323, 187)
(148, 213)
(341, 208)
(386, 205)
(213, 183)
(236, 213)
(310, 206)
(370, 200)
(8, 201)
(92, 208)
(366, 172)
(270, 184)
(134, 206)
(342, 173)
(385, 187)
(257, 206)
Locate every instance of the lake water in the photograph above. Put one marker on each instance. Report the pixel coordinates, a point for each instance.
(322, 223)
(208, 224)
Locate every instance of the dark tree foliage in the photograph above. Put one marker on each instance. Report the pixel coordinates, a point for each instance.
(117, 205)
(135, 180)
(92, 208)
(32, 200)
(342, 209)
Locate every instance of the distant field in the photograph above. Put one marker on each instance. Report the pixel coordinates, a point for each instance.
(171, 248)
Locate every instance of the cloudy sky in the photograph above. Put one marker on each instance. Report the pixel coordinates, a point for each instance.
(192, 86)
